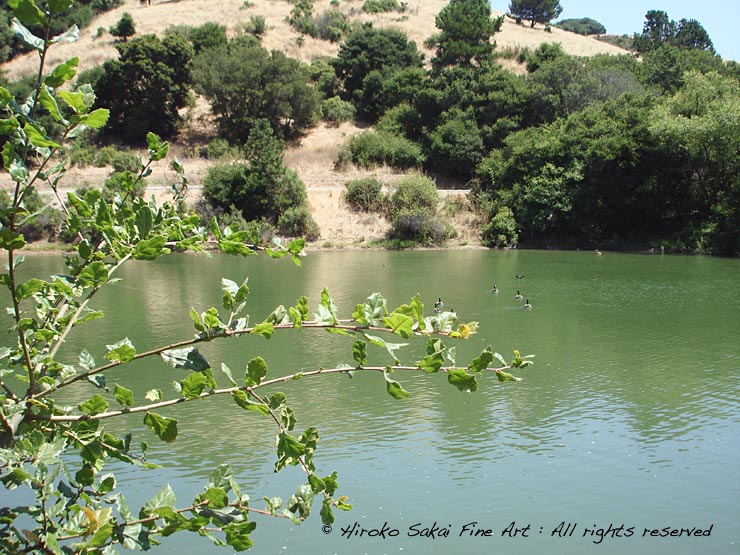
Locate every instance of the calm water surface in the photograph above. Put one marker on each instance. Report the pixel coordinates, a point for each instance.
(630, 416)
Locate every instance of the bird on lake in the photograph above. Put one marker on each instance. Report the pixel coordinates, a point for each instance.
(527, 306)
(518, 295)
(494, 290)
(438, 306)
(520, 276)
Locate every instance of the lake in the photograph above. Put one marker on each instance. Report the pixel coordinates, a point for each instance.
(626, 428)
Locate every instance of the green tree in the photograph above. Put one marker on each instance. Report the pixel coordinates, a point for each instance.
(660, 30)
(368, 49)
(55, 442)
(244, 83)
(582, 26)
(261, 188)
(466, 28)
(146, 86)
(125, 27)
(536, 11)
(699, 127)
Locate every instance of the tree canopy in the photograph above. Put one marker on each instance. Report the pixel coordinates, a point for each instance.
(466, 28)
(244, 83)
(660, 30)
(146, 86)
(536, 11)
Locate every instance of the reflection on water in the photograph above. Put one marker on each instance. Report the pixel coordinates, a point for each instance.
(630, 413)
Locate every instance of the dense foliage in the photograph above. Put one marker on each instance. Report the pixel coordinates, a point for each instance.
(61, 494)
(582, 26)
(146, 86)
(466, 28)
(659, 30)
(244, 83)
(535, 11)
(261, 188)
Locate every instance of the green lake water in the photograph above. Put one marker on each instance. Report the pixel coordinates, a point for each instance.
(629, 418)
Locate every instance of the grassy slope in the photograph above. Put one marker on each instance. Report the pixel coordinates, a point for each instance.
(313, 156)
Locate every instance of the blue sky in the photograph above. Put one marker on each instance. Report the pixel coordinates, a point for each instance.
(721, 18)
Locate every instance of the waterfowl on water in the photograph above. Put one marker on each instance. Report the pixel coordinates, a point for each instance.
(438, 305)
(518, 295)
(494, 290)
(527, 306)
(520, 276)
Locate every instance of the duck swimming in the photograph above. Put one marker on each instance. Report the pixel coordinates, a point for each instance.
(518, 295)
(527, 306)
(494, 290)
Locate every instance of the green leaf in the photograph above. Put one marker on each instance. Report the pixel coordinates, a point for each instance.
(10, 240)
(193, 385)
(506, 377)
(265, 329)
(94, 275)
(59, 6)
(157, 148)
(431, 363)
(50, 103)
(316, 483)
(290, 446)
(70, 35)
(400, 324)
(359, 352)
(327, 516)
(295, 316)
(462, 380)
(62, 73)
(27, 12)
(482, 361)
(33, 285)
(165, 428)
(75, 100)
(94, 405)
(256, 370)
(123, 396)
(122, 352)
(237, 535)
(186, 358)
(217, 498)
(97, 118)
(241, 399)
(150, 249)
(165, 498)
(37, 137)
(394, 388)
(8, 126)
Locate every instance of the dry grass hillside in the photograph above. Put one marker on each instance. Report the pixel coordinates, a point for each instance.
(314, 155)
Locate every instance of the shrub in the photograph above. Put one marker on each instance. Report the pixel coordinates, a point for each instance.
(125, 27)
(257, 26)
(365, 194)
(501, 231)
(332, 25)
(380, 6)
(370, 148)
(414, 193)
(421, 227)
(298, 222)
(334, 110)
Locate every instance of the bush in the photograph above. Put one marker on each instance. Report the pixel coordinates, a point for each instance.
(414, 193)
(298, 222)
(334, 110)
(582, 26)
(257, 26)
(370, 148)
(221, 148)
(125, 27)
(501, 231)
(123, 183)
(380, 6)
(418, 226)
(332, 25)
(365, 194)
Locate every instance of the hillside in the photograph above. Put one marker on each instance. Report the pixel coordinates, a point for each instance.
(314, 155)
